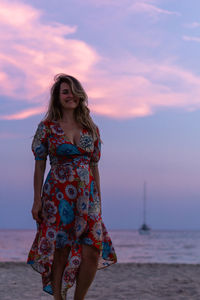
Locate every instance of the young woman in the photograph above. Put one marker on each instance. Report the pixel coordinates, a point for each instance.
(71, 242)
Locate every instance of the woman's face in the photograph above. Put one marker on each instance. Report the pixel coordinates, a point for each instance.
(67, 99)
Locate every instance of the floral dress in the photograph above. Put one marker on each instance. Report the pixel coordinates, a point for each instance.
(70, 204)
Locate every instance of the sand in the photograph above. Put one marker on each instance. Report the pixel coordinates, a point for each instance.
(120, 281)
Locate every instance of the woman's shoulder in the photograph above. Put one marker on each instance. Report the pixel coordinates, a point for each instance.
(44, 126)
(46, 123)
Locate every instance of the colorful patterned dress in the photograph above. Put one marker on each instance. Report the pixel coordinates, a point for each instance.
(70, 204)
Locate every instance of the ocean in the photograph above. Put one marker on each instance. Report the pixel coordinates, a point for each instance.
(130, 246)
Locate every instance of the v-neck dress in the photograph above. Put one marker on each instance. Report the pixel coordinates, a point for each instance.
(70, 204)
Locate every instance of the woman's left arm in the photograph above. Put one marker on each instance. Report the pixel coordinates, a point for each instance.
(95, 172)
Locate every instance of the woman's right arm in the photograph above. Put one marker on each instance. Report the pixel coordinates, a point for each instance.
(40, 166)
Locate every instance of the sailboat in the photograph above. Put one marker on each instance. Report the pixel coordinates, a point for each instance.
(144, 229)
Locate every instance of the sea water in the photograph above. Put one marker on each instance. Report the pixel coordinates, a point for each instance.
(130, 246)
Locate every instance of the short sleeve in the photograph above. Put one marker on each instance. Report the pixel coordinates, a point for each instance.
(40, 142)
(97, 150)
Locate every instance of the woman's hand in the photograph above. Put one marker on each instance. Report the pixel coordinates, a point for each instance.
(37, 211)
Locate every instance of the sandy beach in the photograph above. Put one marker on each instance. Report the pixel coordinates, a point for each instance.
(119, 281)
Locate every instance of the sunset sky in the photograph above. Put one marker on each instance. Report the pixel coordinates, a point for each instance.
(139, 63)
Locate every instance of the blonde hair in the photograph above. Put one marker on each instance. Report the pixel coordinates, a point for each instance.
(82, 112)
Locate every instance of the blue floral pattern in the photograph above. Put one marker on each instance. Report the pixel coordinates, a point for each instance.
(66, 212)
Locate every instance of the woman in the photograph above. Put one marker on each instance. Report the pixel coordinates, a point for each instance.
(71, 242)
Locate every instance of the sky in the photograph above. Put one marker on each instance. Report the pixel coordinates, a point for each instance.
(138, 61)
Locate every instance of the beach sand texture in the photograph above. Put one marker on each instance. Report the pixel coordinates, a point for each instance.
(120, 281)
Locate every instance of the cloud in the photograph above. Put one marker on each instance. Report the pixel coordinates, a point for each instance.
(24, 114)
(32, 52)
(152, 10)
(193, 25)
(104, 2)
(140, 87)
(116, 3)
(191, 38)
(146, 6)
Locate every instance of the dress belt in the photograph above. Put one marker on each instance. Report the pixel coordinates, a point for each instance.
(71, 163)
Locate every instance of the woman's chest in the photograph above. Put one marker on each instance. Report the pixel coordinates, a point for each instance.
(60, 144)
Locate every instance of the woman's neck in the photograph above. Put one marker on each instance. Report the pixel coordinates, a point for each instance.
(68, 117)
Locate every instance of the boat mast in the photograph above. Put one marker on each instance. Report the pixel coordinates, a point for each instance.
(144, 207)
(144, 229)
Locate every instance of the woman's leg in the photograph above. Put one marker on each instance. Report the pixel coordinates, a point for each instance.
(59, 262)
(86, 272)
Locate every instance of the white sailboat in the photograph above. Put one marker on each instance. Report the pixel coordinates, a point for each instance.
(144, 229)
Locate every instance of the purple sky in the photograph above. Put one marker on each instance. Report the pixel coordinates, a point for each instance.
(139, 63)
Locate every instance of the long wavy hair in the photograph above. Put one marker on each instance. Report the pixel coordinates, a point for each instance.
(82, 112)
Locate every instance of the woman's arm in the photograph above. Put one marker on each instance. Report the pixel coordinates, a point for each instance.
(40, 166)
(95, 172)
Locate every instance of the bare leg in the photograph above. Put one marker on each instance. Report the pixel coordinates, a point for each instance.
(86, 272)
(59, 262)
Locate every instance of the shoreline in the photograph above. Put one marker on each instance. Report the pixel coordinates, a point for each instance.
(6, 264)
(118, 263)
(123, 281)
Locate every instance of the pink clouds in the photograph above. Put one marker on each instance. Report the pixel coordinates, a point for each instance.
(17, 14)
(138, 88)
(36, 52)
(151, 9)
(24, 114)
(105, 2)
(187, 38)
(123, 87)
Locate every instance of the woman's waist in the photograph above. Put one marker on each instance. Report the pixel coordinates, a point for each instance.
(73, 162)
